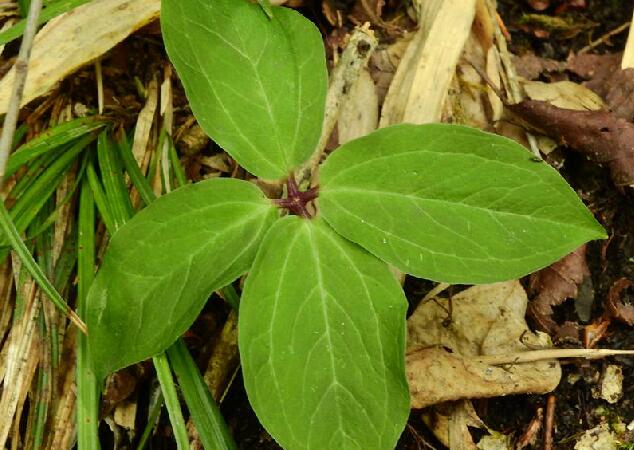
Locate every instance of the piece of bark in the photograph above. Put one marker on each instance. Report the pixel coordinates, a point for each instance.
(615, 306)
(554, 285)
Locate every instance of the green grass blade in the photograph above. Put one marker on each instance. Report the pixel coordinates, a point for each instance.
(156, 404)
(206, 414)
(179, 173)
(113, 181)
(52, 139)
(50, 219)
(7, 226)
(100, 198)
(166, 380)
(138, 180)
(87, 385)
(32, 199)
(53, 10)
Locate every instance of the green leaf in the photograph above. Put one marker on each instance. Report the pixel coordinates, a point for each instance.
(322, 341)
(162, 265)
(256, 85)
(453, 204)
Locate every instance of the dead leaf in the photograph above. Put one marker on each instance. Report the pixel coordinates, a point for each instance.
(530, 67)
(615, 306)
(485, 320)
(554, 285)
(77, 38)
(564, 94)
(450, 424)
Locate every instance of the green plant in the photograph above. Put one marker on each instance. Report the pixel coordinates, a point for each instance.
(322, 319)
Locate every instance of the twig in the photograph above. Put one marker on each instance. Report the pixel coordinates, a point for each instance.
(604, 38)
(549, 421)
(21, 70)
(544, 355)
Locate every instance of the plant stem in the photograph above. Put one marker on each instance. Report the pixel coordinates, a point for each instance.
(21, 69)
(166, 380)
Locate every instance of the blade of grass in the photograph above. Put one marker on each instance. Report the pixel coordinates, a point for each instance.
(52, 139)
(156, 405)
(49, 220)
(164, 375)
(179, 173)
(41, 396)
(100, 198)
(206, 414)
(113, 181)
(53, 10)
(32, 200)
(87, 385)
(34, 269)
(132, 168)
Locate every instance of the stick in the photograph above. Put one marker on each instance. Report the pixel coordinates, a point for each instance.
(21, 70)
(543, 355)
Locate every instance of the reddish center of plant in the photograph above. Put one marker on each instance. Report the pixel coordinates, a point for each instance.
(297, 201)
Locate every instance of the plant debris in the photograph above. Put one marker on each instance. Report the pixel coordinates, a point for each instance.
(554, 285)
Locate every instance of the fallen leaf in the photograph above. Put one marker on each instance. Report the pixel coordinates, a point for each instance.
(530, 67)
(485, 320)
(554, 285)
(75, 39)
(615, 306)
(564, 94)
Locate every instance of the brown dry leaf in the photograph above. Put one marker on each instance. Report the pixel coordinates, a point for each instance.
(77, 38)
(530, 66)
(615, 306)
(564, 94)
(554, 285)
(450, 424)
(485, 320)
(420, 85)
